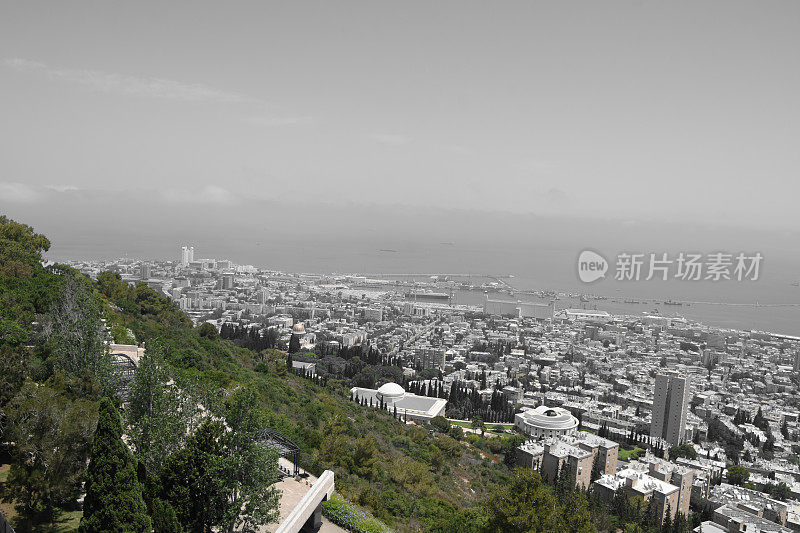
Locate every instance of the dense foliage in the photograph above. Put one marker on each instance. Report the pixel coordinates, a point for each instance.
(52, 435)
(158, 411)
(26, 289)
(113, 494)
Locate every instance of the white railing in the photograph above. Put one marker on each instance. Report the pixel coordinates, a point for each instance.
(309, 505)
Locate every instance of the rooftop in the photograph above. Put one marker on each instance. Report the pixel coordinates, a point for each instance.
(549, 418)
(636, 480)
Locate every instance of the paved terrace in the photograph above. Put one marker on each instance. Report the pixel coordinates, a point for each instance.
(293, 491)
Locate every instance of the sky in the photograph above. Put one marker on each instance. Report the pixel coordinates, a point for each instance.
(137, 117)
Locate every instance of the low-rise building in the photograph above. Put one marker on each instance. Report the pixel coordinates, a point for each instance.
(664, 495)
(408, 405)
(756, 503)
(546, 421)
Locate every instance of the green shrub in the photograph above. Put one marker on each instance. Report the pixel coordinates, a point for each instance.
(349, 516)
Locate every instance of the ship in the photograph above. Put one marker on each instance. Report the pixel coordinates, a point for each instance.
(427, 295)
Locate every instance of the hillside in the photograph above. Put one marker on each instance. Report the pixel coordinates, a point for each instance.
(432, 478)
(407, 476)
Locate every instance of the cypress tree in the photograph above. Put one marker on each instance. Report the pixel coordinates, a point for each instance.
(294, 344)
(666, 526)
(113, 494)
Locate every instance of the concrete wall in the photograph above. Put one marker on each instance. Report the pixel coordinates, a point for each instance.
(666, 502)
(309, 510)
(527, 459)
(551, 465)
(684, 484)
(609, 460)
(581, 470)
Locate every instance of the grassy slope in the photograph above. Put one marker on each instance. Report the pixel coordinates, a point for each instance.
(406, 477)
(410, 479)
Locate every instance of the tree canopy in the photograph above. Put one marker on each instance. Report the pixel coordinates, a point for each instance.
(113, 494)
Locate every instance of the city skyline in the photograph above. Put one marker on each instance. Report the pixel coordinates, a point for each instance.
(393, 267)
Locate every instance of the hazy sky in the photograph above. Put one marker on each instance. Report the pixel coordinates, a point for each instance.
(674, 111)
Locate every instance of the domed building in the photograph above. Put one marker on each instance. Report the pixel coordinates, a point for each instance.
(393, 397)
(546, 421)
(299, 329)
(390, 393)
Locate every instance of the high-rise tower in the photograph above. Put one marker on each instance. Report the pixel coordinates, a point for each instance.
(670, 405)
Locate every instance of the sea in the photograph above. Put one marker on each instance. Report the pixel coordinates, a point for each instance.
(771, 303)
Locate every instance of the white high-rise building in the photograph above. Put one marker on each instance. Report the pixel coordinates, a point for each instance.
(145, 271)
(187, 255)
(670, 404)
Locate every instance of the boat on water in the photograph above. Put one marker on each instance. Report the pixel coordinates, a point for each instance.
(427, 295)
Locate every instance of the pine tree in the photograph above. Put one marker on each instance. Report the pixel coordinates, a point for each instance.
(650, 518)
(164, 518)
(680, 524)
(113, 494)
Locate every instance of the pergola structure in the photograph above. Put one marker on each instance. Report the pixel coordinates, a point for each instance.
(124, 369)
(284, 445)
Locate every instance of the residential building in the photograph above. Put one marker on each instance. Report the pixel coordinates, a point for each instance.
(670, 406)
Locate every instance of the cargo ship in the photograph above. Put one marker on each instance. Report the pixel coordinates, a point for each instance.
(427, 295)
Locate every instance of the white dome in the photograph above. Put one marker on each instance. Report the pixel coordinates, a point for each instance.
(390, 391)
(550, 418)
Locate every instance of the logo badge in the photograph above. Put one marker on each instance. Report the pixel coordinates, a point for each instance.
(591, 266)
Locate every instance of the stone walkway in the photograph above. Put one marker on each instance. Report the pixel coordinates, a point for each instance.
(293, 491)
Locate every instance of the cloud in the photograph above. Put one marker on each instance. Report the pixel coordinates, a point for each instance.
(23, 193)
(557, 196)
(19, 193)
(390, 139)
(62, 188)
(278, 121)
(137, 86)
(208, 195)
